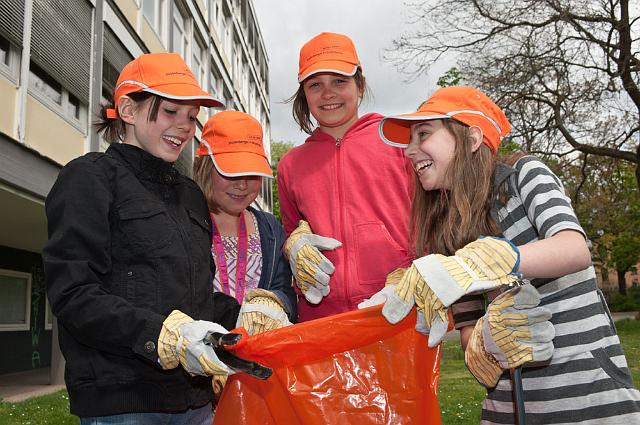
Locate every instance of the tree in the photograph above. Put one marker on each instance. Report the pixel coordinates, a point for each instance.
(607, 203)
(278, 149)
(566, 71)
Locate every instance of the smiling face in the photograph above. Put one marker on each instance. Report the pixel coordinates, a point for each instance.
(232, 195)
(333, 101)
(167, 135)
(431, 151)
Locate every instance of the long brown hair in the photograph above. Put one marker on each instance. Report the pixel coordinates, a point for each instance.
(443, 221)
(114, 129)
(300, 110)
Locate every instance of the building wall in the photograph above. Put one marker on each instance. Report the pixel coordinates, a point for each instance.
(51, 136)
(46, 119)
(30, 349)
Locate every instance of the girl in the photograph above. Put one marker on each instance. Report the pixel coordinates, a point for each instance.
(463, 194)
(334, 185)
(247, 243)
(128, 259)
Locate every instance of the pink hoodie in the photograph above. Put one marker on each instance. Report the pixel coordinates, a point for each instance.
(356, 190)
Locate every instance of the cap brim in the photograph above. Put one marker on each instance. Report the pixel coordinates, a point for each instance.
(336, 67)
(185, 92)
(237, 164)
(396, 130)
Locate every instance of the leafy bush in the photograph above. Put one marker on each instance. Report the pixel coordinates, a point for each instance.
(629, 302)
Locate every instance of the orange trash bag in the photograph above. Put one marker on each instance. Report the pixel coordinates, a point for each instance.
(350, 368)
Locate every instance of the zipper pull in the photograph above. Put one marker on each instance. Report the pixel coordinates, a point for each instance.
(338, 140)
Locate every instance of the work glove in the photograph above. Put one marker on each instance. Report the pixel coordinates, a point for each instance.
(435, 281)
(310, 268)
(380, 297)
(262, 311)
(514, 331)
(181, 341)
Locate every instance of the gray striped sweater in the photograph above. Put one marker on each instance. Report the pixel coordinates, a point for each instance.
(587, 380)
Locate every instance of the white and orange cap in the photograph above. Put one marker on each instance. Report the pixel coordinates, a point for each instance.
(162, 74)
(467, 105)
(328, 52)
(233, 141)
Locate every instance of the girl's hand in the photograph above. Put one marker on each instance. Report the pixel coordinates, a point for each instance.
(436, 281)
(513, 332)
(310, 268)
(262, 311)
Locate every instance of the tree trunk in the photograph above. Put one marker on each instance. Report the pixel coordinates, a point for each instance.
(622, 283)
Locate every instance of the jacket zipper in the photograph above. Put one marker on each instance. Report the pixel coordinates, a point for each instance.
(342, 219)
(273, 263)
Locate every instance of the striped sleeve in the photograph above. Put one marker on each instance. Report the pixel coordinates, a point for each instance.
(467, 310)
(543, 198)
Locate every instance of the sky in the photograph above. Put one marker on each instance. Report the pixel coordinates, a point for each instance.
(372, 25)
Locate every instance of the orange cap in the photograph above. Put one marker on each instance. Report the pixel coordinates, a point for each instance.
(465, 104)
(163, 74)
(233, 140)
(328, 52)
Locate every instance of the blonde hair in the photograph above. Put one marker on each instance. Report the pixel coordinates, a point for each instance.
(202, 170)
(443, 221)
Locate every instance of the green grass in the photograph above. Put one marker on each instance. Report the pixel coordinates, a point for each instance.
(48, 409)
(460, 395)
(629, 333)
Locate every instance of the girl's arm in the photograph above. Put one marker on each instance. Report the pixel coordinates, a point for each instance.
(465, 333)
(561, 254)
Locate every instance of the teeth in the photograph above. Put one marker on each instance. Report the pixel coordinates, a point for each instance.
(331, 107)
(173, 140)
(422, 165)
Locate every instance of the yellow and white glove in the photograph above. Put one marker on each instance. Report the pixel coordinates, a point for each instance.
(310, 268)
(262, 311)
(514, 331)
(181, 341)
(380, 297)
(435, 281)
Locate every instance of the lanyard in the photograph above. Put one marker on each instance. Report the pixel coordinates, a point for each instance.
(241, 266)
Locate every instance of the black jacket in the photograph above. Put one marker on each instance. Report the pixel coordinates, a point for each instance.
(129, 241)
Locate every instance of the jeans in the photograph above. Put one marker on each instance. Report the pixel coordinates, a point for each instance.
(200, 416)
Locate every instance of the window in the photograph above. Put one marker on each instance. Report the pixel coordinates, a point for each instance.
(214, 7)
(15, 301)
(215, 82)
(228, 100)
(197, 61)
(9, 59)
(180, 38)
(155, 11)
(227, 39)
(236, 60)
(43, 84)
(53, 95)
(5, 48)
(115, 57)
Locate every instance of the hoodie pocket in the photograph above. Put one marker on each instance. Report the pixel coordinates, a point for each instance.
(377, 253)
